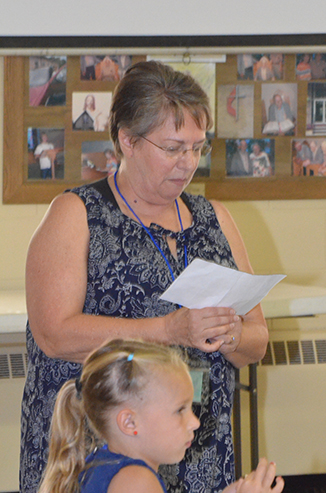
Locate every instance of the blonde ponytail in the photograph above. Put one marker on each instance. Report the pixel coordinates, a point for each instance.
(67, 443)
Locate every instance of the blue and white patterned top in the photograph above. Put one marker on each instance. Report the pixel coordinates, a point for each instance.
(126, 276)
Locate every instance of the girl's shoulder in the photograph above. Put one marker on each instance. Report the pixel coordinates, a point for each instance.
(142, 479)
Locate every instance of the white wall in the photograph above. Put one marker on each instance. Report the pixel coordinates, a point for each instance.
(170, 17)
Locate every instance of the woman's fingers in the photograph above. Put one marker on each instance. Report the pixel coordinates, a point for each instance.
(207, 329)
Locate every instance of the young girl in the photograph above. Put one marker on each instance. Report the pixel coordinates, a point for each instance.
(136, 397)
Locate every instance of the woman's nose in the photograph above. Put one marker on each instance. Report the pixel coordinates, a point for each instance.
(188, 159)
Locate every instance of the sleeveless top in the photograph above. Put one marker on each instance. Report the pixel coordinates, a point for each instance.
(126, 276)
(97, 478)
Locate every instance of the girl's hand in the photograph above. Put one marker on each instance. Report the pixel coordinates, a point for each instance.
(258, 481)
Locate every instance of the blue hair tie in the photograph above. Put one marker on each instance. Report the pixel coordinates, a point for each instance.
(130, 357)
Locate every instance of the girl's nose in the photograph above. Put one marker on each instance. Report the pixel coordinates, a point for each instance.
(195, 422)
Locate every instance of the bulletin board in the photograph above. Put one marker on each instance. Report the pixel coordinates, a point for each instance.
(241, 108)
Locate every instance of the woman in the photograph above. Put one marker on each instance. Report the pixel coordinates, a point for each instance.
(260, 162)
(303, 69)
(104, 254)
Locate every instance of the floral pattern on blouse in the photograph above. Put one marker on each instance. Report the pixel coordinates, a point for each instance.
(126, 276)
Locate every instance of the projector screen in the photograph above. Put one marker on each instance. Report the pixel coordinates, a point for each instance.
(161, 18)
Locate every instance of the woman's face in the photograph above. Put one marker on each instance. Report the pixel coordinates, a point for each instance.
(153, 175)
(256, 149)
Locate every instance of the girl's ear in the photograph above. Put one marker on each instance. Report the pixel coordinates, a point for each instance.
(126, 143)
(126, 421)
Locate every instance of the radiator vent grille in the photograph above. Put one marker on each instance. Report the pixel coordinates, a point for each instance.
(307, 352)
(13, 365)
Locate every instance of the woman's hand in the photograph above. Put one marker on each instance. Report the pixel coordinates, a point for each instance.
(258, 481)
(207, 329)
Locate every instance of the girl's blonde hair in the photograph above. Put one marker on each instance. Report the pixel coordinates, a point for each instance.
(115, 373)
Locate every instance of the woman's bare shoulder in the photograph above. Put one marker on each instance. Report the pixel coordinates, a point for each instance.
(68, 200)
(222, 213)
(65, 208)
(233, 236)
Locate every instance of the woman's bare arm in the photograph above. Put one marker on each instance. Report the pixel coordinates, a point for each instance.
(56, 279)
(250, 332)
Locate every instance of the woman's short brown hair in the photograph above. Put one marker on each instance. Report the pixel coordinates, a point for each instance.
(148, 93)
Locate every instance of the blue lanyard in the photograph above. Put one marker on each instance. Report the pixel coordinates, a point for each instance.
(148, 231)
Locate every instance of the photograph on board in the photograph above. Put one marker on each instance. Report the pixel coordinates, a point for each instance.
(309, 157)
(90, 111)
(45, 153)
(98, 160)
(279, 109)
(105, 68)
(47, 80)
(250, 158)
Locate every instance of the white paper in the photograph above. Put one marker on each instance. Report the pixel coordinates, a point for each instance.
(205, 284)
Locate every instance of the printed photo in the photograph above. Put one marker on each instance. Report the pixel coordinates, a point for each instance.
(45, 153)
(310, 66)
(204, 74)
(90, 111)
(98, 160)
(47, 80)
(309, 157)
(250, 158)
(316, 109)
(260, 67)
(235, 111)
(109, 68)
(279, 109)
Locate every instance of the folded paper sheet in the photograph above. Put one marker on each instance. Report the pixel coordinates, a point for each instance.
(204, 284)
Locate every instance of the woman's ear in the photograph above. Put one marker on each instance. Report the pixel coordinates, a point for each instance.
(127, 422)
(126, 142)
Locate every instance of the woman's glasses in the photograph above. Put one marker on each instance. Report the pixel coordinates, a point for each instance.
(177, 151)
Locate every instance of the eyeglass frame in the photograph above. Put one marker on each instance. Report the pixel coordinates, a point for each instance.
(206, 147)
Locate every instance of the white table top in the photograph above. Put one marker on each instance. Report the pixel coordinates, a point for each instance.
(13, 314)
(293, 300)
(284, 300)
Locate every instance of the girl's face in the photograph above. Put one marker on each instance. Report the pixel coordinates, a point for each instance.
(165, 422)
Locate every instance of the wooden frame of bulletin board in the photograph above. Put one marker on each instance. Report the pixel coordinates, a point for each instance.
(283, 181)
